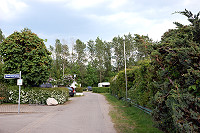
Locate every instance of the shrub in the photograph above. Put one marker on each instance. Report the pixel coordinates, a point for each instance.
(79, 89)
(3, 93)
(143, 90)
(101, 89)
(36, 95)
(177, 59)
(118, 84)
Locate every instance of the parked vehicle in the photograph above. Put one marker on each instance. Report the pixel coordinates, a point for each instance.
(71, 93)
(74, 90)
(104, 84)
(89, 88)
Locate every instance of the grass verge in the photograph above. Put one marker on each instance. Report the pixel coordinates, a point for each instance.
(129, 119)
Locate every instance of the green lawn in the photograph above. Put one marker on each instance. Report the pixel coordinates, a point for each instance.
(130, 119)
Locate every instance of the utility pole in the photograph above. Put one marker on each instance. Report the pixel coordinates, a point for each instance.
(125, 66)
(63, 69)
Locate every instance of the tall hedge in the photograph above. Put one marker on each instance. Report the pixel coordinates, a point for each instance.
(101, 89)
(143, 89)
(118, 84)
(171, 78)
(177, 59)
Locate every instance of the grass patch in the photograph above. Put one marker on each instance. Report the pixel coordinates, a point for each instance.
(130, 119)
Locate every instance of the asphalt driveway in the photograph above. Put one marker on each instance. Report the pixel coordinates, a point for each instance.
(86, 114)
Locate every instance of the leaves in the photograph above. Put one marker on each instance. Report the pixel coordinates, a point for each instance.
(177, 57)
(25, 51)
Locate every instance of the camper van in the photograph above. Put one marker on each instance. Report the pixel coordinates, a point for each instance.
(104, 84)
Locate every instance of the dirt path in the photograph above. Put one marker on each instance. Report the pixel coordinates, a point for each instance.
(87, 114)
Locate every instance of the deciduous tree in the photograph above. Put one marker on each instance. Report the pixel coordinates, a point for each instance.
(25, 51)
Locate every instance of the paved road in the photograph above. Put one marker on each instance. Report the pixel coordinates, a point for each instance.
(87, 114)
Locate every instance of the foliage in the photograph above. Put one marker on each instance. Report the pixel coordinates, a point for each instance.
(99, 51)
(143, 89)
(168, 78)
(91, 76)
(118, 47)
(91, 51)
(37, 95)
(3, 93)
(60, 59)
(25, 51)
(80, 48)
(2, 37)
(101, 89)
(1, 74)
(79, 89)
(177, 59)
(117, 83)
(67, 80)
(80, 51)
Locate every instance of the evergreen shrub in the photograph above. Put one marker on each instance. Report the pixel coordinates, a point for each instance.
(177, 59)
(101, 89)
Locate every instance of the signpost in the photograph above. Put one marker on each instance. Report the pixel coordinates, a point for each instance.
(11, 76)
(19, 82)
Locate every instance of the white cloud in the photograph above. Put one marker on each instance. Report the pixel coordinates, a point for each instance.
(190, 2)
(122, 18)
(51, 0)
(10, 9)
(115, 4)
(83, 4)
(155, 31)
(136, 23)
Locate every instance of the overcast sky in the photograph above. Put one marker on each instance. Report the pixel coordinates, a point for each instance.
(88, 19)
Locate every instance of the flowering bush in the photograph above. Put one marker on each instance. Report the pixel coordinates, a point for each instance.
(38, 95)
(67, 80)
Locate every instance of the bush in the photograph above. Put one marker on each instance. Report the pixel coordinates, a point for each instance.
(3, 93)
(177, 58)
(36, 95)
(143, 90)
(101, 89)
(118, 84)
(79, 89)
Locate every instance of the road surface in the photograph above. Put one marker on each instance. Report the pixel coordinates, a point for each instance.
(86, 114)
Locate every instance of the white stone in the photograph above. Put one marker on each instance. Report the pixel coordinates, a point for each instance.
(51, 102)
(79, 94)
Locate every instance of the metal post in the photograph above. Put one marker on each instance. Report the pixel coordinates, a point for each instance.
(125, 66)
(19, 93)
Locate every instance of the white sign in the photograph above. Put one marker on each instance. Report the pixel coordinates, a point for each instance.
(19, 81)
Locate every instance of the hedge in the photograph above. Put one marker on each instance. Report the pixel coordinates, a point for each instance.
(170, 82)
(79, 89)
(36, 95)
(101, 89)
(3, 93)
(117, 83)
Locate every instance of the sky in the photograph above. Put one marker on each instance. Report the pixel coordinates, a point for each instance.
(86, 20)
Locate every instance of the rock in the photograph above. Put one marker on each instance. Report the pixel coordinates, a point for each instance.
(52, 102)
